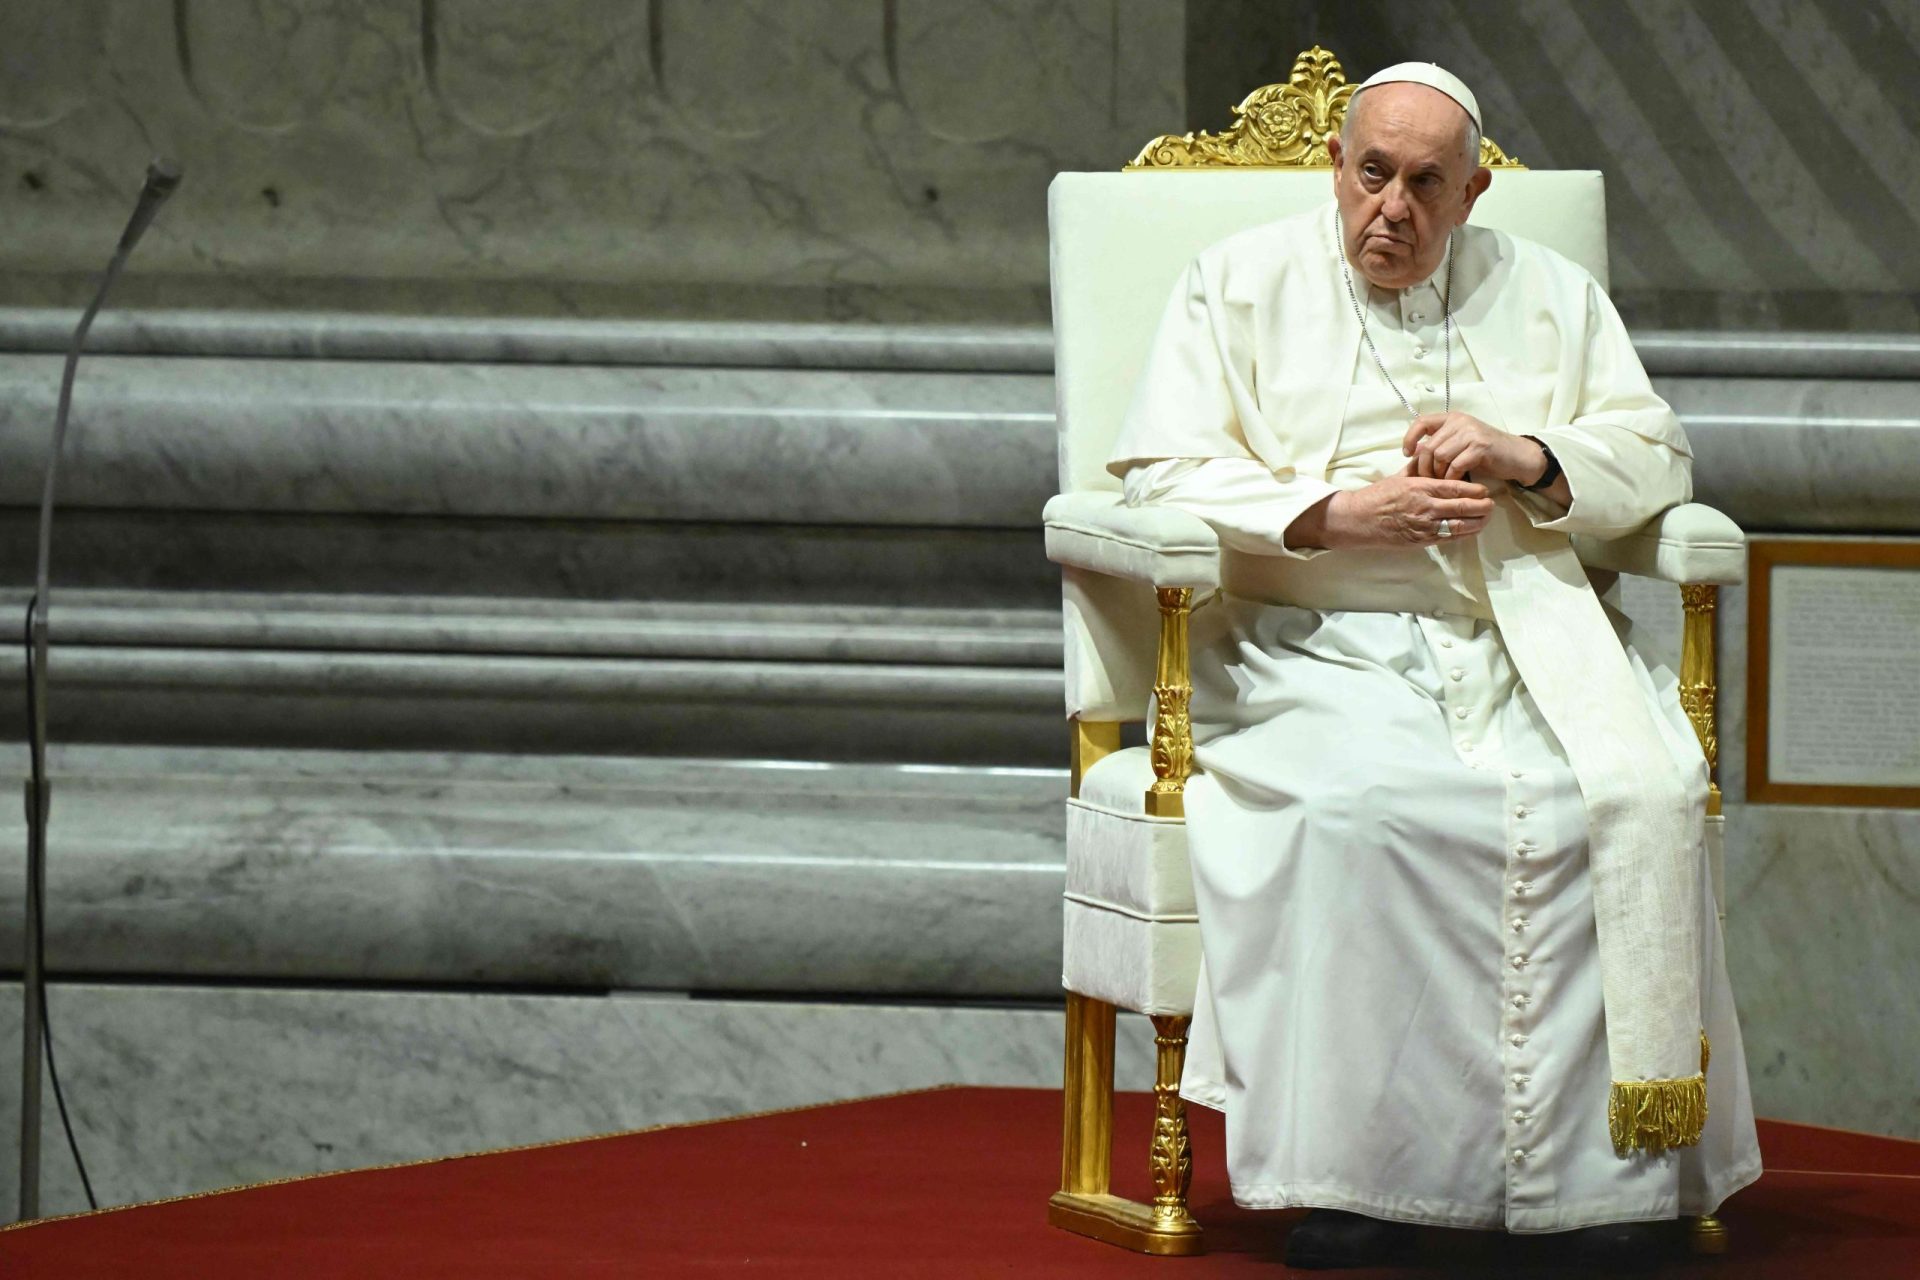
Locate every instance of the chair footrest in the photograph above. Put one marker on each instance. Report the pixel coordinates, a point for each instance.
(1127, 1223)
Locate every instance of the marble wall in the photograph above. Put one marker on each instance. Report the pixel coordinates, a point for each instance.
(1760, 157)
(570, 156)
(888, 157)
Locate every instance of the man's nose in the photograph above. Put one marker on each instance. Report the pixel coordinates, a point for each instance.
(1393, 202)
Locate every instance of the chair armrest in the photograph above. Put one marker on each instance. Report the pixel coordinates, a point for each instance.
(1155, 545)
(1688, 543)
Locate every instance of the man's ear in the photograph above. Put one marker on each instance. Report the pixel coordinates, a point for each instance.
(1336, 153)
(1476, 185)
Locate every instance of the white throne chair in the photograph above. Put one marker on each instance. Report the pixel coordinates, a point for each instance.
(1131, 576)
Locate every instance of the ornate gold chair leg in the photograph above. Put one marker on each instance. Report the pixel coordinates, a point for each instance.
(1706, 1234)
(1086, 1140)
(1172, 1152)
(1084, 1203)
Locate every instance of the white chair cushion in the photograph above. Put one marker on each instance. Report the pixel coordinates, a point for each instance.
(1129, 963)
(1132, 933)
(1690, 543)
(1160, 545)
(1117, 856)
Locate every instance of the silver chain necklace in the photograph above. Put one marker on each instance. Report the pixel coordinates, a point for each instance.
(1446, 320)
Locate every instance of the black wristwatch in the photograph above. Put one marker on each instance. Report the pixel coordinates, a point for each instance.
(1552, 472)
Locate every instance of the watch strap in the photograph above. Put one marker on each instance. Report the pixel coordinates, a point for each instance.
(1552, 472)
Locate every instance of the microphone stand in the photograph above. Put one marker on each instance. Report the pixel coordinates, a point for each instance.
(162, 178)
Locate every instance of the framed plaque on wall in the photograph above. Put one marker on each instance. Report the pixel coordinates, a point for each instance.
(1833, 672)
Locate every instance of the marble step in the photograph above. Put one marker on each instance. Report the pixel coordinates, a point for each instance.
(914, 450)
(795, 446)
(994, 348)
(587, 560)
(491, 625)
(1787, 454)
(570, 872)
(324, 335)
(1823, 355)
(980, 686)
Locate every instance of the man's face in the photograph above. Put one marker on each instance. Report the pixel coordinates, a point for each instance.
(1404, 181)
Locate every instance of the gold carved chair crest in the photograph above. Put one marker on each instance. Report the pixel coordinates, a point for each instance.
(1280, 126)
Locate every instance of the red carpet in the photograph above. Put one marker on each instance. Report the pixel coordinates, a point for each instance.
(949, 1183)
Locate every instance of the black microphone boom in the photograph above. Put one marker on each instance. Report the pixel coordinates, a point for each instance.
(162, 177)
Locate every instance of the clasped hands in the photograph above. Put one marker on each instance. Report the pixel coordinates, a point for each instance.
(1406, 509)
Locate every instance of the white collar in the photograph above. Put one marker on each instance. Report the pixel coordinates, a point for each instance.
(1431, 282)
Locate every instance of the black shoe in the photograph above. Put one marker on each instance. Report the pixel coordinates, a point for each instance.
(1622, 1246)
(1330, 1238)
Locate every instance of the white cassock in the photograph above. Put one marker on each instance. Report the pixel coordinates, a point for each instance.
(1400, 1007)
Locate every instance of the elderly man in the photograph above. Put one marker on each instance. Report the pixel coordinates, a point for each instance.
(1461, 961)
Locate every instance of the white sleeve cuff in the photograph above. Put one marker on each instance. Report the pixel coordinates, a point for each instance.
(1247, 505)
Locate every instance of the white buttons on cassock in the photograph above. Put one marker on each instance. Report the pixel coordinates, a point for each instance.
(1445, 643)
(1525, 919)
(1419, 349)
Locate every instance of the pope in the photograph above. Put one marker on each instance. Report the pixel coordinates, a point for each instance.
(1461, 960)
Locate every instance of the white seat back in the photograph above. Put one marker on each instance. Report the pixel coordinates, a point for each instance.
(1120, 240)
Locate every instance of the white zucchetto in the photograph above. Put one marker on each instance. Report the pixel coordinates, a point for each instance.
(1434, 77)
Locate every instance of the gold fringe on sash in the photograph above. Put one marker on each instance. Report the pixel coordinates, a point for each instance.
(1653, 1115)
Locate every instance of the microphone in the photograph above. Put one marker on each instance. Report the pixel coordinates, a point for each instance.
(162, 177)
